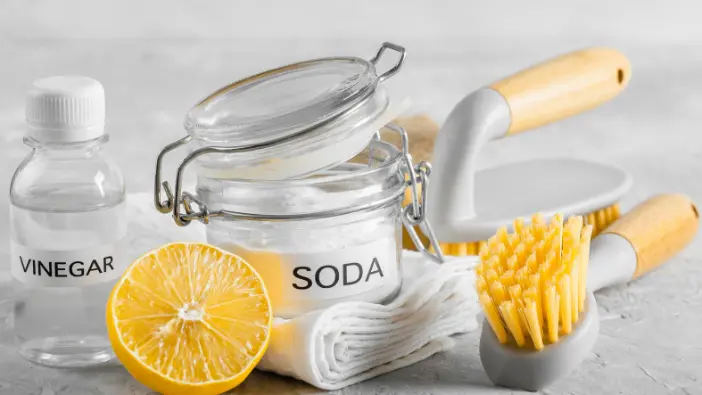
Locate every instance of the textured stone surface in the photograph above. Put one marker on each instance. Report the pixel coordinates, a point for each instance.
(650, 338)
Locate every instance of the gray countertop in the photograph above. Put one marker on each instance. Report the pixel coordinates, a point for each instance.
(650, 336)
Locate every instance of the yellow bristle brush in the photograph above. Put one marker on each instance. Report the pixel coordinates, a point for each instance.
(466, 206)
(535, 285)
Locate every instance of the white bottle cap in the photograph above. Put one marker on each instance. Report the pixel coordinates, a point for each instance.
(65, 109)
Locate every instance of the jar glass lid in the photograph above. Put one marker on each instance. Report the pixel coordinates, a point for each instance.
(294, 120)
(282, 102)
(289, 100)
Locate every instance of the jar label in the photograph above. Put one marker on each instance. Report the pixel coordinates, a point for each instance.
(300, 279)
(68, 268)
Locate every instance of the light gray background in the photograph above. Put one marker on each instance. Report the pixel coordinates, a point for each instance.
(157, 58)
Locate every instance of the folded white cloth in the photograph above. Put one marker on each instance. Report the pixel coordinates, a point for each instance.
(353, 341)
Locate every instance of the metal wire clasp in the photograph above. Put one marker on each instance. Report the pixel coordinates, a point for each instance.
(392, 71)
(414, 214)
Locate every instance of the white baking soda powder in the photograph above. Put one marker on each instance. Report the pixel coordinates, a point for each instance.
(311, 264)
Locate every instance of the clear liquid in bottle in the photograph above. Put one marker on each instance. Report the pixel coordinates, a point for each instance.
(68, 225)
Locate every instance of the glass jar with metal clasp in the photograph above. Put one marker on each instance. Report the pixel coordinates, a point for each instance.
(292, 176)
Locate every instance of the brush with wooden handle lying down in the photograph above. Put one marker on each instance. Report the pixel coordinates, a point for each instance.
(467, 206)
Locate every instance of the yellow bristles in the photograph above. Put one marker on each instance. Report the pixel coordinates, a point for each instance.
(533, 324)
(531, 263)
(493, 317)
(490, 273)
(519, 227)
(582, 268)
(507, 279)
(551, 312)
(574, 289)
(462, 249)
(532, 282)
(540, 251)
(512, 262)
(497, 291)
(509, 315)
(515, 292)
(601, 219)
(502, 235)
(564, 293)
(598, 219)
(533, 295)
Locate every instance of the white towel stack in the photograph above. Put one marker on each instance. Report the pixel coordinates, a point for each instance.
(354, 341)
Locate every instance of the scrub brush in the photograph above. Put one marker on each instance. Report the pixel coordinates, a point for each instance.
(535, 285)
(422, 131)
(467, 206)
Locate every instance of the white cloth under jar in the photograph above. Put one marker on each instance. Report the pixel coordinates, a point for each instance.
(352, 342)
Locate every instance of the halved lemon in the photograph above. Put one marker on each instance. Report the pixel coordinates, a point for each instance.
(189, 318)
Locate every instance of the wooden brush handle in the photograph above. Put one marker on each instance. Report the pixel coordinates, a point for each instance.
(563, 86)
(657, 229)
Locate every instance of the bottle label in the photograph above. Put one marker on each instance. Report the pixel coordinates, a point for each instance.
(70, 268)
(293, 278)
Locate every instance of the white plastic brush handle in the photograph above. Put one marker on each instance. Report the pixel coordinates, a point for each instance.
(640, 241)
(612, 261)
(555, 89)
(478, 118)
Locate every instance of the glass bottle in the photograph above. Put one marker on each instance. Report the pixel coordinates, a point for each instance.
(67, 226)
